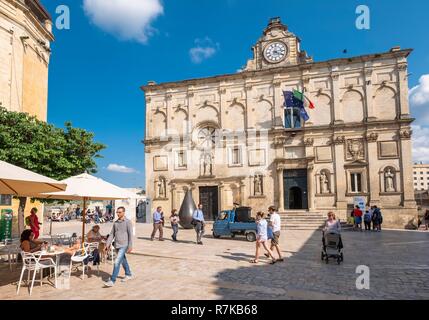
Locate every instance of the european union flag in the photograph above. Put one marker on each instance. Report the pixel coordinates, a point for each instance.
(292, 102)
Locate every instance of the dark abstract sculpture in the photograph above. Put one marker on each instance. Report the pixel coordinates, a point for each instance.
(187, 210)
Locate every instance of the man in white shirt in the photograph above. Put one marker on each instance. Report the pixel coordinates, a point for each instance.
(198, 222)
(275, 225)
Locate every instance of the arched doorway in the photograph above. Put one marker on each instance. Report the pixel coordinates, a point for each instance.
(295, 198)
(295, 189)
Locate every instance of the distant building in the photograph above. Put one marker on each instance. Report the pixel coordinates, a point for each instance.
(421, 177)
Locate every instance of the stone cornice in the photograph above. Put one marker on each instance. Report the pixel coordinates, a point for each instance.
(286, 69)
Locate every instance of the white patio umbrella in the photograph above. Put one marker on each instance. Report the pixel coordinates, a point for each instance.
(86, 187)
(21, 182)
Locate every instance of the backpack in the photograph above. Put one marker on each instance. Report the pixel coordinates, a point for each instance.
(28, 221)
(367, 217)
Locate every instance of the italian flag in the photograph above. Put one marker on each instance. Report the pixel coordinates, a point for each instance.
(300, 96)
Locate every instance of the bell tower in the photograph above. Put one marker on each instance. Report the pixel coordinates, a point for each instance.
(277, 47)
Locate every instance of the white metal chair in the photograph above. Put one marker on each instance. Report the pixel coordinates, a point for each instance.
(90, 248)
(79, 257)
(33, 262)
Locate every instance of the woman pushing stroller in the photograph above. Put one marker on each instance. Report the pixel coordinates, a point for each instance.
(332, 225)
(331, 240)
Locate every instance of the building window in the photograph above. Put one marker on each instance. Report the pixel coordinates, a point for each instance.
(415, 178)
(356, 182)
(292, 118)
(181, 159)
(5, 200)
(235, 156)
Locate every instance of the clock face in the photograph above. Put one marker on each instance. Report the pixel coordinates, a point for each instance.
(275, 52)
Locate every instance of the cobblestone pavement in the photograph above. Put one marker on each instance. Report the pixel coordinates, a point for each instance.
(220, 269)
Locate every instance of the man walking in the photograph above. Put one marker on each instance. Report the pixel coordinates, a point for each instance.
(198, 222)
(275, 224)
(122, 234)
(157, 224)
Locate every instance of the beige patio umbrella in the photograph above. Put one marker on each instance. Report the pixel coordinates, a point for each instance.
(21, 182)
(86, 187)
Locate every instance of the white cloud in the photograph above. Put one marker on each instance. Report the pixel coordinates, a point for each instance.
(420, 144)
(126, 19)
(119, 168)
(204, 49)
(419, 95)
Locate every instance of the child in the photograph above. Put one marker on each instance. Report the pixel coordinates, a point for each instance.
(367, 220)
(262, 238)
(174, 219)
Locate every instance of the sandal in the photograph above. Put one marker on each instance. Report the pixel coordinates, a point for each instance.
(280, 260)
(267, 255)
(273, 262)
(254, 261)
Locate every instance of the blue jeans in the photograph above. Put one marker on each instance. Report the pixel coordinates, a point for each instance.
(121, 259)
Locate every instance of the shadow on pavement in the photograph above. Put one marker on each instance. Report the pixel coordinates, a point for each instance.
(398, 270)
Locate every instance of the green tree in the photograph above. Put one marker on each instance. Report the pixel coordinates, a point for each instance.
(43, 148)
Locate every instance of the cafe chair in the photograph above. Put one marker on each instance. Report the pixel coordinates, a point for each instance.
(33, 262)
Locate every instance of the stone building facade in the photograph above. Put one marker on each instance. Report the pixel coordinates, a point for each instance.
(230, 140)
(25, 37)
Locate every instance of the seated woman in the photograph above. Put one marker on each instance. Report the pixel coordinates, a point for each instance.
(94, 234)
(332, 225)
(28, 243)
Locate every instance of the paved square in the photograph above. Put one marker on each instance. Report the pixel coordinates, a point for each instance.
(220, 269)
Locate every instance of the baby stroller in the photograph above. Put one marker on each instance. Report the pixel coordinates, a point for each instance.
(332, 247)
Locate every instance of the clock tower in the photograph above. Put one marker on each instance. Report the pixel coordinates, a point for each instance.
(277, 47)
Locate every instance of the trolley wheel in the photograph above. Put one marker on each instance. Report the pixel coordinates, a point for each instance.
(216, 235)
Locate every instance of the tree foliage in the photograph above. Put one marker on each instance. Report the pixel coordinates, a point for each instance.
(43, 148)
(38, 146)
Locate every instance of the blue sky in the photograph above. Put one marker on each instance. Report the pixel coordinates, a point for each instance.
(111, 50)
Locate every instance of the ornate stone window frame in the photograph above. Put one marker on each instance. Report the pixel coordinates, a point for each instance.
(230, 156)
(177, 152)
(357, 168)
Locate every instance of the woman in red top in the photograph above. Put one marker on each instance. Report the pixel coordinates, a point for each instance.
(34, 223)
(358, 217)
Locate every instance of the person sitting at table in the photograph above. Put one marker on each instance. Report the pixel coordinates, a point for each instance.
(94, 234)
(31, 245)
(28, 243)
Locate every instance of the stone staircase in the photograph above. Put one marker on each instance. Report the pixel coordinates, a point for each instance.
(302, 220)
